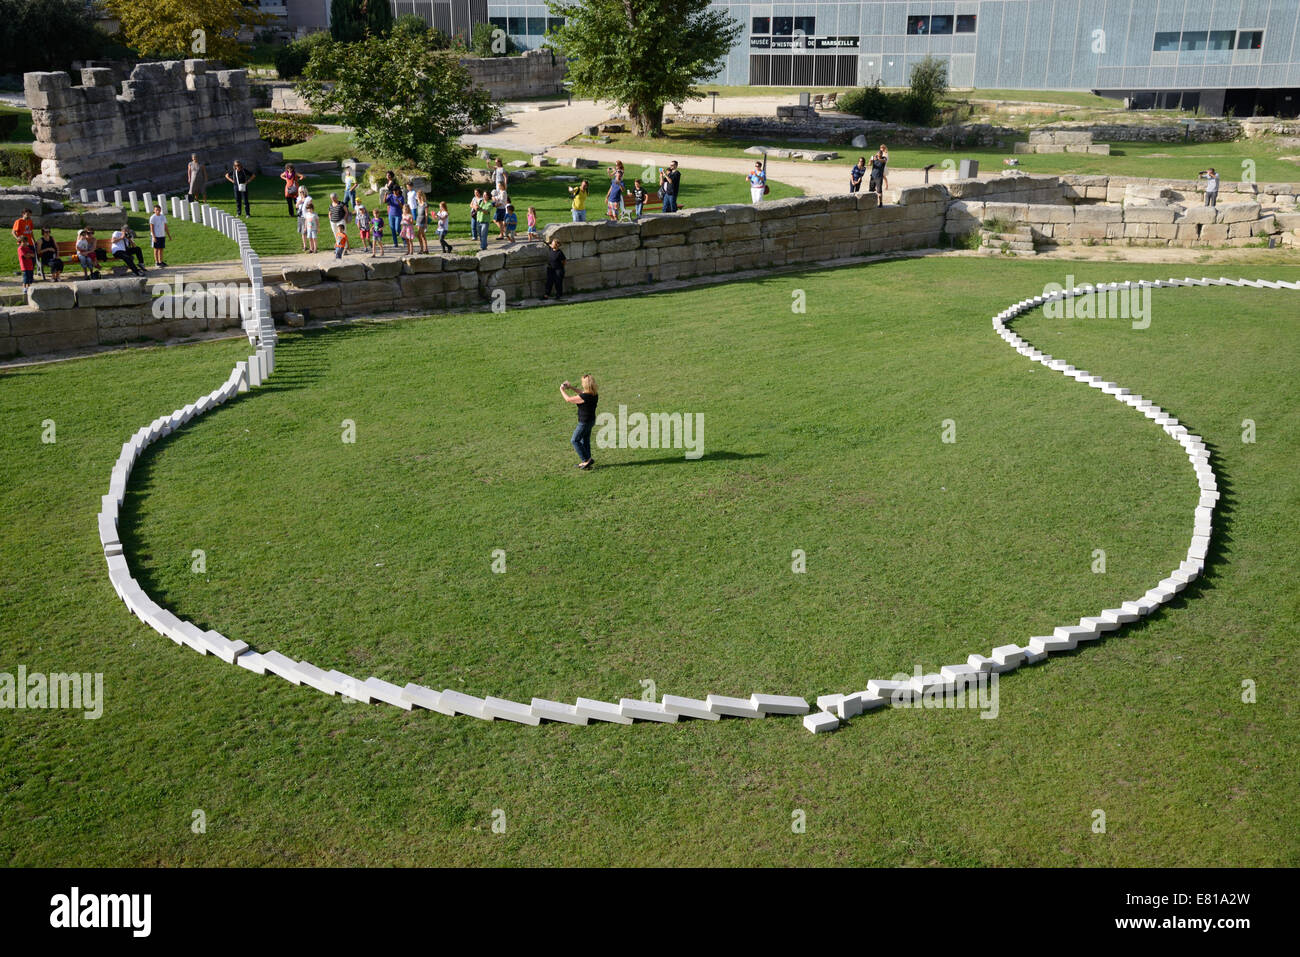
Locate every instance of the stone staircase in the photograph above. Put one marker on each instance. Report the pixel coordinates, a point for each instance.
(1018, 242)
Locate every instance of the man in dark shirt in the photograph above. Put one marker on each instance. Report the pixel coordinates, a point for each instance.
(554, 271)
(670, 183)
(877, 184)
(856, 174)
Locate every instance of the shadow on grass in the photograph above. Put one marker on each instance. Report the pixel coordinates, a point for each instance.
(683, 460)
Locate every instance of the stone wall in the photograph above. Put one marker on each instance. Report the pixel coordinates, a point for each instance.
(94, 135)
(1201, 131)
(710, 241)
(535, 73)
(1112, 189)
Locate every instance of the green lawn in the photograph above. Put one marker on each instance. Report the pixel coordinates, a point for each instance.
(823, 433)
(1159, 160)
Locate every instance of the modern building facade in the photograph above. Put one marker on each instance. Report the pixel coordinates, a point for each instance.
(1242, 55)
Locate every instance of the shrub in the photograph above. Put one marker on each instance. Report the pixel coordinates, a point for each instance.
(873, 103)
(929, 85)
(481, 41)
(19, 162)
(284, 132)
(291, 59)
(15, 126)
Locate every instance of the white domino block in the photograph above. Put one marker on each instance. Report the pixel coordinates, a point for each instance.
(426, 698)
(227, 649)
(820, 722)
(316, 678)
(350, 687)
(1176, 584)
(1008, 656)
(779, 704)
(923, 683)
(464, 704)
(381, 690)
(640, 710)
(959, 673)
(253, 661)
(1100, 622)
(509, 711)
(733, 707)
(887, 689)
(1044, 644)
(1075, 633)
(688, 707)
(600, 711)
(282, 666)
(254, 371)
(829, 702)
(556, 711)
(1119, 616)
(1033, 657)
(241, 372)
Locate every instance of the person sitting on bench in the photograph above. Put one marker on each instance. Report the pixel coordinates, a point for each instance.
(127, 253)
(48, 251)
(86, 254)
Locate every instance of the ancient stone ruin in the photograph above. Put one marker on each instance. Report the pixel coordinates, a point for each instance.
(97, 136)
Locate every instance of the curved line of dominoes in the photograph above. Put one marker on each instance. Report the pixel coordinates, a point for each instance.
(831, 711)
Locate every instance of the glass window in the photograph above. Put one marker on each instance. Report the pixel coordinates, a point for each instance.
(941, 25)
(1221, 39)
(553, 23)
(966, 23)
(1166, 42)
(806, 25)
(1250, 39)
(498, 22)
(515, 26)
(1194, 40)
(782, 26)
(918, 26)
(761, 26)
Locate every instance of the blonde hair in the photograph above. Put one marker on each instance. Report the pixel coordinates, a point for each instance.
(589, 385)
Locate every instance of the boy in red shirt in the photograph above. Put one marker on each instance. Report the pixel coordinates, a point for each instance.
(26, 261)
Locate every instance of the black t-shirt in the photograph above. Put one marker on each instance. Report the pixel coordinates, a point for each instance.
(674, 181)
(556, 260)
(587, 407)
(878, 167)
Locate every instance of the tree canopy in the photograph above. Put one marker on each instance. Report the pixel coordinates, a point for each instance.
(351, 20)
(186, 28)
(410, 112)
(641, 54)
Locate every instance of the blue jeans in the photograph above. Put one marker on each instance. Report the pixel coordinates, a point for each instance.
(350, 199)
(482, 235)
(473, 228)
(579, 215)
(637, 214)
(670, 202)
(581, 441)
(394, 226)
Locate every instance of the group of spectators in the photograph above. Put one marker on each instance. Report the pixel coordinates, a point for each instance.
(90, 255)
(873, 171)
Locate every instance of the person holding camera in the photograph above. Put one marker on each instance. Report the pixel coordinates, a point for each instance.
(586, 402)
(579, 194)
(670, 181)
(1211, 186)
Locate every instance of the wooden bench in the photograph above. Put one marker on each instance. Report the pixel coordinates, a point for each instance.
(653, 204)
(67, 249)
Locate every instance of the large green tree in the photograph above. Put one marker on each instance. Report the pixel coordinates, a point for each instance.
(187, 28)
(641, 54)
(411, 112)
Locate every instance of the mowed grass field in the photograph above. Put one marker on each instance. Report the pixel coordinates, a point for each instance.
(822, 433)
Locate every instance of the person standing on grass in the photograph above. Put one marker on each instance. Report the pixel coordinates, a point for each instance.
(554, 271)
(484, 223)
(670, 184)
(579, 194)
(160, 231)
(586, 402)
(444, 224)
(196, 177)
(1211, 186)
(393, 200)
(421, 213)
(757, 182)
(240, 178)
(856, 172)
(27, 262)
(22, 227)
(292, 182)
(310, 225)
(350, 187)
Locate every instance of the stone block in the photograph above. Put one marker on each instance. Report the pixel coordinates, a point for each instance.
(426, 698)
(345, 272)
(1237, 213)
(302, 278)
(1214, 233)
(1148, 214)
(821, 722)
(509, 711)
(733, 707)
(370, 291)
(52, 296)
(381, 690)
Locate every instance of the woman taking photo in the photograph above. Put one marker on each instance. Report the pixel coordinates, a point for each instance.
(586, 402)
